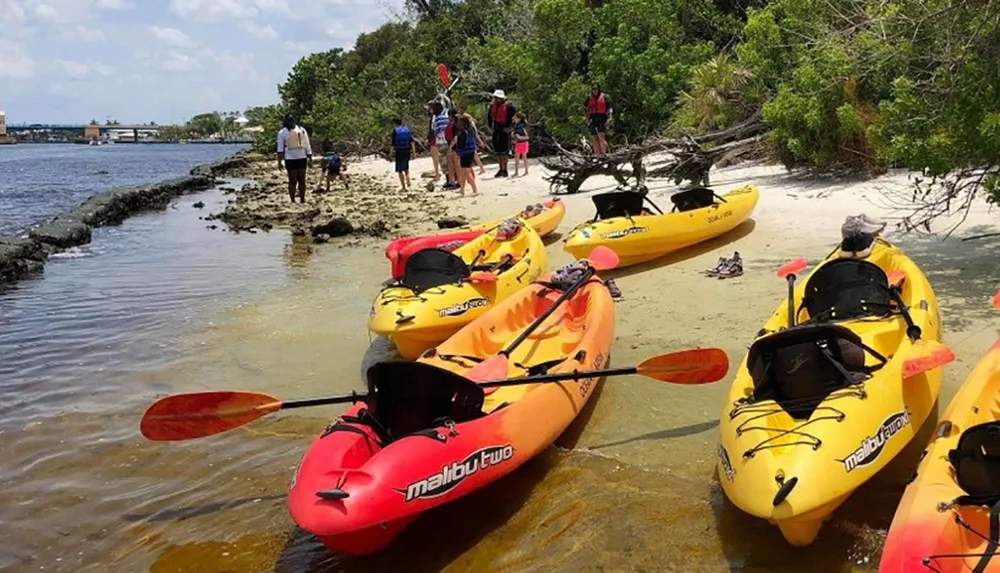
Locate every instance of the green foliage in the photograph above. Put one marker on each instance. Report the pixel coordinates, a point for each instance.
(205, 124)
(718, 96)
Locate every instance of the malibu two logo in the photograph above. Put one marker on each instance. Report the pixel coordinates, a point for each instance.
(871, 447)
(451, 475)
(463, 307)
(624, 232)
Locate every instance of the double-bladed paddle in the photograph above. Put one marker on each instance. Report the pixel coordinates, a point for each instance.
(199, 414)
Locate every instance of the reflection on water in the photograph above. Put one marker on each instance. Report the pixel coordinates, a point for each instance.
(161, 305)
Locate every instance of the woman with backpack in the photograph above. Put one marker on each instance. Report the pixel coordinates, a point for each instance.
(296, 153)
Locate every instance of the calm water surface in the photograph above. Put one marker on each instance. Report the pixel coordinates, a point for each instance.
(39, 181)
(161, 304)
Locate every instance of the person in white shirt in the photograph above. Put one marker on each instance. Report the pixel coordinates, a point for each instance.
(296, 153)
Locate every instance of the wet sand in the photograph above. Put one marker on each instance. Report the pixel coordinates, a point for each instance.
(630, 487)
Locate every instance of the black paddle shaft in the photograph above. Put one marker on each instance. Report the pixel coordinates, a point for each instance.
(791, 300)
(342, 399)
(538, 321)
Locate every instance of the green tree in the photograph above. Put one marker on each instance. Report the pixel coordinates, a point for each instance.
(205, 124)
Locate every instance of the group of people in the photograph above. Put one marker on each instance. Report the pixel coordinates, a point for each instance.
(450, 132)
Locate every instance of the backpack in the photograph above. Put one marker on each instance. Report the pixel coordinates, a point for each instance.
(334, 162)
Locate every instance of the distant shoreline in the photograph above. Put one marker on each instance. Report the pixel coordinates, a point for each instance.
(23, 257)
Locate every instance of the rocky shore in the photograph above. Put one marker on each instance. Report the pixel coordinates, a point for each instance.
(21, 257)
(369, 207)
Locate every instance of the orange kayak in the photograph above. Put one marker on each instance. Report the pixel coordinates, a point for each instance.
(936, 526)
(374, 479)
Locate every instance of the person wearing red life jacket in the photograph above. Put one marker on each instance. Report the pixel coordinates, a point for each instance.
(501, 119)
(598, 110)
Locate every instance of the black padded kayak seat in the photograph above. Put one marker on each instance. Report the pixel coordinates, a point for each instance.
(408, 397)
(618, 204)
(799, 367)
(976, 460)
(428, 268)
(691, 199)
(844, 289)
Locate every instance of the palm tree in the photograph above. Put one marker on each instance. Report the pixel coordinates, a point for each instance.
(715, 97)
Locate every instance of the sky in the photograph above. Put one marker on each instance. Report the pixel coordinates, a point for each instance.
(136, 61)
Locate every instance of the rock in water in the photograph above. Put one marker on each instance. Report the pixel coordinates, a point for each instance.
(199, 205)
(62, 233)
(321, 238)
(336, 227)
(451, 222)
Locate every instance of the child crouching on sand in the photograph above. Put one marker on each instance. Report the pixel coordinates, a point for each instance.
(335, 168)
(520, 142)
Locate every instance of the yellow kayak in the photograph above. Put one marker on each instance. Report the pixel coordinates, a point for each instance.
(817, 409)
(543, 223)
(442, 291)
(637, 234)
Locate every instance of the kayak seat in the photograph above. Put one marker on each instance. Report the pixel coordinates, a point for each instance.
(845, 289)
(691, 199)
(976, 460)
(428, 268)
(799, 367)
(618, 204)
(407, 398)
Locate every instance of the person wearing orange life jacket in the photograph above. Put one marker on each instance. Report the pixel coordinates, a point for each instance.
(501, 119)
(598, 110)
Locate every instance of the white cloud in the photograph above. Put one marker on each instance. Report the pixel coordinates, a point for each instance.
(16, 64)
(258, 31)
(82, 33)
(175, 61)
(212, 10)
(305, 48)
(172, 36)
(115, 4)
(84, 70)
(11, 11)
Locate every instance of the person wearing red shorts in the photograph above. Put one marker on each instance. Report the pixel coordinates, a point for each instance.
(520, 142)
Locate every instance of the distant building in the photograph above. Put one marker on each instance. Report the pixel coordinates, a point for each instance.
(3, 124)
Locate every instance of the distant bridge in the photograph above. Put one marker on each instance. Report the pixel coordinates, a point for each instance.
(89, 131)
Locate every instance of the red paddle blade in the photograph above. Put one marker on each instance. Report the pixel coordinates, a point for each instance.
(483, 277)
(697, 366)
(793, 268)
(493, 368)
(443, 74)
(926, 355)
(602, 258)
(996, 301)
(199, 414)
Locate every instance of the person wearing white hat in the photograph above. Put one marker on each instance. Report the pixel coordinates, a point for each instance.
(501, 119)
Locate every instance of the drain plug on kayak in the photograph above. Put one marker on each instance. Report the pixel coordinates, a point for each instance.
(785, 489)
(332, 494)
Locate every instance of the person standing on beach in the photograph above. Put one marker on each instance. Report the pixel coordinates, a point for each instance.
(451, 136)
(437, 140)
(520, 141)
(501, 118)
(296, 153)
(465, 148)
(402, 143)
(598, 110)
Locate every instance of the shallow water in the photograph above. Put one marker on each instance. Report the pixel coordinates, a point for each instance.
(160, 304)
(39, 181)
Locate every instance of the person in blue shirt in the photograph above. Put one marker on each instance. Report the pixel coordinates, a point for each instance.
(466, 148)
(404, 148)
(334, 167)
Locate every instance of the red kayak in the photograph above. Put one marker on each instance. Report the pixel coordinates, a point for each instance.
(399, 250)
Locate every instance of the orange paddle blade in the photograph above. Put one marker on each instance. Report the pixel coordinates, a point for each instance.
(443, 75)
(793, 267)
(603, 258)
(493, 368)
(926, 355)
(896, 277)
(187, 416)
(996, 301)
(483, 277)
(698, 366)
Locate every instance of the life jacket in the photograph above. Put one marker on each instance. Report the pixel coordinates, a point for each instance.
(296, 138)
(449, 132)
(466, 143)
(521, 129)
(598, 105)
(498, 111)
(403, 137)
(334, 161)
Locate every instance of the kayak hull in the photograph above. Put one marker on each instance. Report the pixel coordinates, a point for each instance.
(920, 529)
(643, 238)
(852, 434)
(415, 322)
(386, 486)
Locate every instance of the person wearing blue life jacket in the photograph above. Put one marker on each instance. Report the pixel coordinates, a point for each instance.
(335, 168)
(466, 148)
(404, 148)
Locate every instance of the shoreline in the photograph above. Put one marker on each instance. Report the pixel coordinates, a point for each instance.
(22, 257)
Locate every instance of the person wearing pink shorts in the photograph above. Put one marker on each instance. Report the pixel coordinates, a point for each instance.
(520, 142)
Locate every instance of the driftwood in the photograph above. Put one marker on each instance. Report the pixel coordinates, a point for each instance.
(688, 158)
